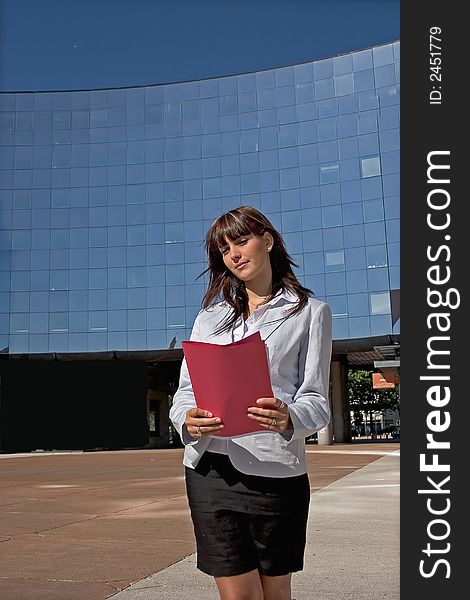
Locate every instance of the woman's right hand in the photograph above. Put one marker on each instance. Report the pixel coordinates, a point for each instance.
(200, 422)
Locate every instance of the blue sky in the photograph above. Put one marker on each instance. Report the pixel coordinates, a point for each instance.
(85, 44)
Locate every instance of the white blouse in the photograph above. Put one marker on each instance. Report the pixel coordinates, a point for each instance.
(241, 329)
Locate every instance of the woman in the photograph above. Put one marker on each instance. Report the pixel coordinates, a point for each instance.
(249, 495)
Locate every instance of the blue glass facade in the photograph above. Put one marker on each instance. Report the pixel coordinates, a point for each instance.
(105, 197)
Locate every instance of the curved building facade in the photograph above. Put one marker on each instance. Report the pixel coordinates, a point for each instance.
(106, 195)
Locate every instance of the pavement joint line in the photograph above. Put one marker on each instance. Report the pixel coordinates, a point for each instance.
(28, 454)
(53, 580)
(84, 452)
(40, 531)
(64, 490)
(19, 501)
(379, 485)
(358, 452)
(81, 452)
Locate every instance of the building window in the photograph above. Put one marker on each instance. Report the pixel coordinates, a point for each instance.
(370, 167)
(338, 305)
(334, 261)
(7, 121)
(380, 303)
(59, 322)
(19, 323)
(376, 256)
(329, 173)
(99, 117)
(22, 198)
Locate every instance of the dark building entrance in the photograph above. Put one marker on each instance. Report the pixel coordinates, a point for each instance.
(75, 404)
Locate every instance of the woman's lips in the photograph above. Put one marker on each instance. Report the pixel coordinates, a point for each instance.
(240, 265)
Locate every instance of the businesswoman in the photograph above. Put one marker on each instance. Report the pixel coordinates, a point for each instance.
(249, 495)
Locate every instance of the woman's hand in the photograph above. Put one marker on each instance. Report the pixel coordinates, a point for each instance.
(200, 422)
(275, 416)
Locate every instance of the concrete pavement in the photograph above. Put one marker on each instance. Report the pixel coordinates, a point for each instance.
(90, 526)
(352, 549)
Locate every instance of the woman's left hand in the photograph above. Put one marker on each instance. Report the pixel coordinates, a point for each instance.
(272, 414)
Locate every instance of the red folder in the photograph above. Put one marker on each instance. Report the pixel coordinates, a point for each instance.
(229, 378)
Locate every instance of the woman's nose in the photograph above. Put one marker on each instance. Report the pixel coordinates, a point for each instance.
(235, 253)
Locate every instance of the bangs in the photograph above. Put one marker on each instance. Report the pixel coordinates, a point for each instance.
(232, 225)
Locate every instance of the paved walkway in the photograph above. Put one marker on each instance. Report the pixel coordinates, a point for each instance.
(352, 550)
(84, 526)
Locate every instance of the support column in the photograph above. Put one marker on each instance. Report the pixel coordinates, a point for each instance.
(325, 435)
(340, 401)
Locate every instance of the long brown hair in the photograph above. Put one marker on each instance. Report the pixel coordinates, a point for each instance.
(224, 285)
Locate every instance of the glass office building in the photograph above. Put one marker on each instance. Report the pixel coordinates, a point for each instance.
(105, 196)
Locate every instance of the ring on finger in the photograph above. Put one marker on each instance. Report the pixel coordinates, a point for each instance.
(274, 422)
(199, 431)
(282, 404)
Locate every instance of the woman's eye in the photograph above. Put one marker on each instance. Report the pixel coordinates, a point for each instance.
(242, 241)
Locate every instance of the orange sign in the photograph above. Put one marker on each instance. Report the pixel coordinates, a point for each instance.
(379, 382)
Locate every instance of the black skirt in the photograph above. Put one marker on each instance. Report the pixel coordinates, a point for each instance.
(244, 522)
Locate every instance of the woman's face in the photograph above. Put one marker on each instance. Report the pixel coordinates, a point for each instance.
(247, 257)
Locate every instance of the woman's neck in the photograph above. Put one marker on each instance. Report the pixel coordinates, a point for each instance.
(257, 296)
(255, 300)
(260, 288)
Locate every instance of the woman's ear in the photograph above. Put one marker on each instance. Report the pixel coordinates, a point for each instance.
(269, 240)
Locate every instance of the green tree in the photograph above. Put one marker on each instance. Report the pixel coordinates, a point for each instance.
(364, 399)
